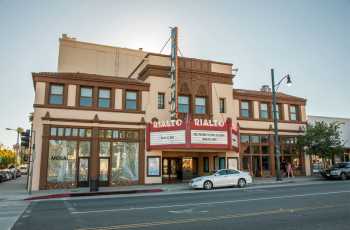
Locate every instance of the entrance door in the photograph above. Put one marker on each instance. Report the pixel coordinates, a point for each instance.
(172, 172)
(256, 161)
(83, 172)
(187, 168)
(104, 172)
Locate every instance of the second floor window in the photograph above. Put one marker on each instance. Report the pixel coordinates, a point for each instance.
(131, 100)
(184, 104)
(104, 98)
(244, 110)
(56, 95)
(85, 96)
(200, 105)
(278, 109)
(161, 100)
(264, 111)
(222, 105)
(293, 113)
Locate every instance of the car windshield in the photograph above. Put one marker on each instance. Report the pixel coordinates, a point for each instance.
(339, 165)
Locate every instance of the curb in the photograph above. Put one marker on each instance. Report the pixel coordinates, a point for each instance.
(82, 194)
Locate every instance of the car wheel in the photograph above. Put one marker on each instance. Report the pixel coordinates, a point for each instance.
(208, 185)
(343, 176)
(241, 183)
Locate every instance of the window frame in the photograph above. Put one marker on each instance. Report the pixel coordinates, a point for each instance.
(222, 105)
(162, 104)
(296, 113)
(201, 106)
(136, 100)
(249, 109)
(50, 94)
(189, 103)
(104, 98)
(80, 97)
(267, 111)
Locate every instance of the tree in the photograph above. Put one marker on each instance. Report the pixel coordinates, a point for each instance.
(322, 139)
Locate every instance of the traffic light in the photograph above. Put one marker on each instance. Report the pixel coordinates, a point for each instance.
(25, 136)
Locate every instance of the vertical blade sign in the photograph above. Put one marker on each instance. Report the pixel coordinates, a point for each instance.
(173, 74)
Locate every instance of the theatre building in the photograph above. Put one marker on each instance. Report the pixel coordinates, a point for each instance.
(104, 117)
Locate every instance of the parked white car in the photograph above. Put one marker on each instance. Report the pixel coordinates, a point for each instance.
(23, 169)
(222, 178)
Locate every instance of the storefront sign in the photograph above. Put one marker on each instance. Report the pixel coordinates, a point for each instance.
(168, 137)
(167, 124)
(208, 123)
(196, 133)
(59, 158)
(209, 137)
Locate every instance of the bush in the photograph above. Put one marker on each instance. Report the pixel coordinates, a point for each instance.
(7, 157)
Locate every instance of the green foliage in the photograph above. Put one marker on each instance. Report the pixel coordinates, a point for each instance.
(322, 139)
(7, 157)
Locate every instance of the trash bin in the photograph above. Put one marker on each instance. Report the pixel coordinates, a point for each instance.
(93, 185)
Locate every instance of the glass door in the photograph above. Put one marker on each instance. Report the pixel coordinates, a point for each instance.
(83, 175)
(105, 152)
(83, 163)
(187, 168)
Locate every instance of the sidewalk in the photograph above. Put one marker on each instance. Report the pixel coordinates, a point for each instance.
(12, 204)
(154, 188)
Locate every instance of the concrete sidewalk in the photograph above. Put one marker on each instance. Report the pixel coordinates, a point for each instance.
(12, 204)
(131, 189)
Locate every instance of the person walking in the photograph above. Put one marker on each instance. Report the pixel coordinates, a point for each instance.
(290, 170)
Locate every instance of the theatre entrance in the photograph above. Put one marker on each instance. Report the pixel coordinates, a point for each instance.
(179, 169)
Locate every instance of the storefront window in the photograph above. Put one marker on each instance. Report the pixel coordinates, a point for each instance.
(84, 148)
(62, 161)
(244, 139)
(103, 170)
(124, 162)
(104, 149)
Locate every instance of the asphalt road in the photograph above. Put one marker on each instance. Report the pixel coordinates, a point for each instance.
(320, 206)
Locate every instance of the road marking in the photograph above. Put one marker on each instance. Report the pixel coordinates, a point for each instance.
(209, 219)
(209, 203)
(69, 206)
(181, 211)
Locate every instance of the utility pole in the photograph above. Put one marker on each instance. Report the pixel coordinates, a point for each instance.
(275, 123)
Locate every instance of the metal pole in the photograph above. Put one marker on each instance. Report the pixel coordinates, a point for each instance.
(31, 162)
(275, 122)
(17, 148)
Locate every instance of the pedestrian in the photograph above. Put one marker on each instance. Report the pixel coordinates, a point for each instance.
(290, 170)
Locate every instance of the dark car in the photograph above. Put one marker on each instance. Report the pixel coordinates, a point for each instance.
(3, 176)
(337, 171)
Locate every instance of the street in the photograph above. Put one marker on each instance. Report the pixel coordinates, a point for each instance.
(311, 206)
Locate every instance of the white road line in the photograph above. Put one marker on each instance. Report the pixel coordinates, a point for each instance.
(209, 203)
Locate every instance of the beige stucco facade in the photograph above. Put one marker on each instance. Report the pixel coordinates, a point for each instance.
(105, 62)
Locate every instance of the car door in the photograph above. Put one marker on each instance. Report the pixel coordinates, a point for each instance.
(347, 169)
(233, 176)
(220, 178)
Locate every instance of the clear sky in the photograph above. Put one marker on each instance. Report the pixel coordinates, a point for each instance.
(310, 40)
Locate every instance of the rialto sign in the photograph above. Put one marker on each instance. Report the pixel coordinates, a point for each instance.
(196, 133)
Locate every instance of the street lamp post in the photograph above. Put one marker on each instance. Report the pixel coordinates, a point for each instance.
(275, 121)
